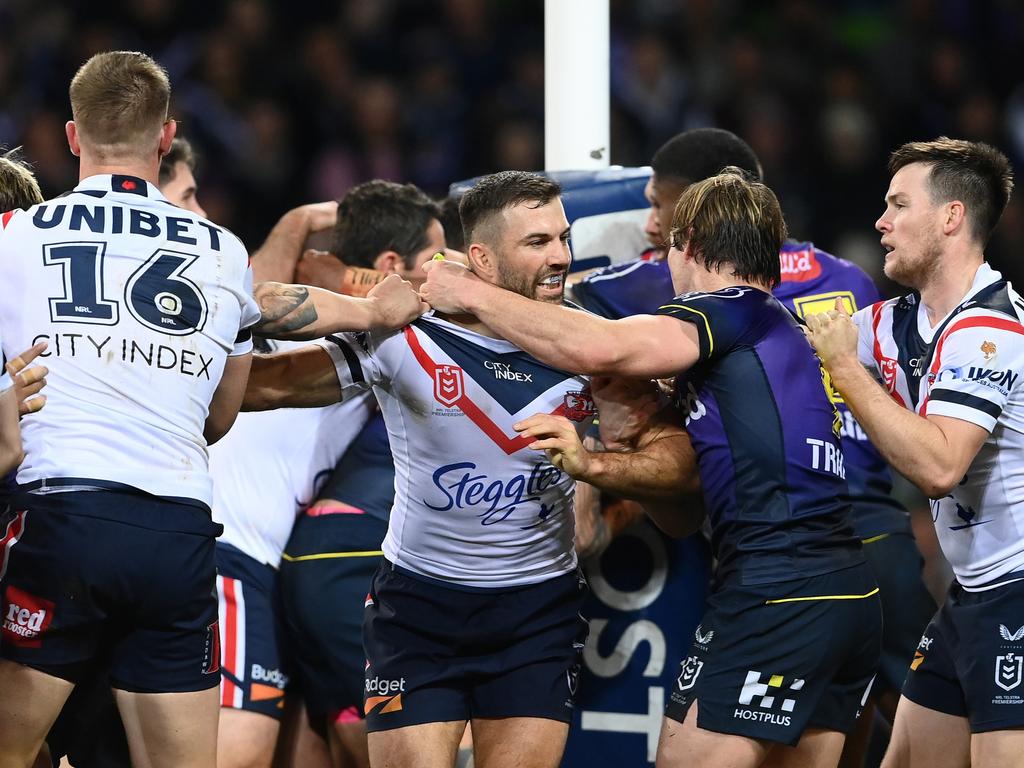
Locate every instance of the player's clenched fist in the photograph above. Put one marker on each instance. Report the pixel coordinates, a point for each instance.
(833, 336)
(395, 303)
(557, 436)
(28, 381)
(448, 286)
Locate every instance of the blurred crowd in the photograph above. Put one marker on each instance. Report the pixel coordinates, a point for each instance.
(289, 102)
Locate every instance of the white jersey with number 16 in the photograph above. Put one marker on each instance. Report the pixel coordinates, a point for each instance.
(141, 304)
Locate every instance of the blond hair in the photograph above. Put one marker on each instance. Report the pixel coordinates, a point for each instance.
(731, 219)
(18, 187)
(119, 101)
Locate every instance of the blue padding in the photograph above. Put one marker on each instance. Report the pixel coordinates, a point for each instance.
(588, 193)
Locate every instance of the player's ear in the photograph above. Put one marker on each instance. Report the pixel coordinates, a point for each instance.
(167, 134)
(388, 261)
(71, 131)
(956, 215)
(481, 260)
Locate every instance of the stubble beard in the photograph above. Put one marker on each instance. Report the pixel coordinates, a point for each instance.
(514, 281)
(916, 271)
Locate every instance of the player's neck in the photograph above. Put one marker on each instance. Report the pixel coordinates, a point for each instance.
(948, 285)
(707, 281)
(139, 168)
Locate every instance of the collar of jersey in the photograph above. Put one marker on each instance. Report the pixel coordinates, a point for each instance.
(103, 182)
(983, 278)
(495, 345)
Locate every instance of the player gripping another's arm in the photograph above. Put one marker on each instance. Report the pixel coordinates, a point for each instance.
(660, 472)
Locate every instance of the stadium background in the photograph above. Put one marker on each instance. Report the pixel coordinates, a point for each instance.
(294, 102)
(290, 102)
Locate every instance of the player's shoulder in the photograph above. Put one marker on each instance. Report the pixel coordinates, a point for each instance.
(625, 269)
(732, 296)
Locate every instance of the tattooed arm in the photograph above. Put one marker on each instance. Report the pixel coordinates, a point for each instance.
(303, 312)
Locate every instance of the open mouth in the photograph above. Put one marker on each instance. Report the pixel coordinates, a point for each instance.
(553, 281)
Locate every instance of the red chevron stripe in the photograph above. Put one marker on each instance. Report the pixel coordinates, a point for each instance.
(508, 444)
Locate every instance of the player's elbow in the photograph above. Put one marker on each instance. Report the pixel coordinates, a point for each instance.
(940, 482)
(218, 425)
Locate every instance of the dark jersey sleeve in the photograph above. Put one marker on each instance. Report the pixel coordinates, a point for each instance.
(718, 317)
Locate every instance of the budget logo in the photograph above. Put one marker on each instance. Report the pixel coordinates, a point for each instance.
(25, 618)
(448, 384)
(1009, 669)
(579, 406)
(389, 695)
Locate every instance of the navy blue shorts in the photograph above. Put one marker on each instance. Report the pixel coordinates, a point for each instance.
(970, 661)
(80, 587)
(437, 654)
(253, 667)
(768, 662)
(326, 573)
(907, 606)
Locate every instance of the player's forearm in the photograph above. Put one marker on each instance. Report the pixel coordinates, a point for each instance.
(300, 378)
(276, 259)
(912, 445)
(11, 454)
(662, 470)
(300, 312)
(566, 338)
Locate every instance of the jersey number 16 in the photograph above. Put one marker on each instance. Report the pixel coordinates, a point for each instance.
(157, 294)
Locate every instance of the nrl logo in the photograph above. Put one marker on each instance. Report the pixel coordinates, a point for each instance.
(1012, 637)
(448, 384)
(1009, 669)
(988, 349)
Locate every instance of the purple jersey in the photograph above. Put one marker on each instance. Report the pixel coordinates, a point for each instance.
(767, 440)
(812, 280)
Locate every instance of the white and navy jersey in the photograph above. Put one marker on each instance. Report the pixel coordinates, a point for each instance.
(141, 303)
(967, 367)
(271, 465)
(473, 505)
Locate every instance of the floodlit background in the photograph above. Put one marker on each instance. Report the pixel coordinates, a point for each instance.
(295, 101)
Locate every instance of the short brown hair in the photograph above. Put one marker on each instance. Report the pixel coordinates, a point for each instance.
(493, 194)
(730, 219)
(18, 186)
(118, 99)
(378, 216)
(180, 152)
(975, 173)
